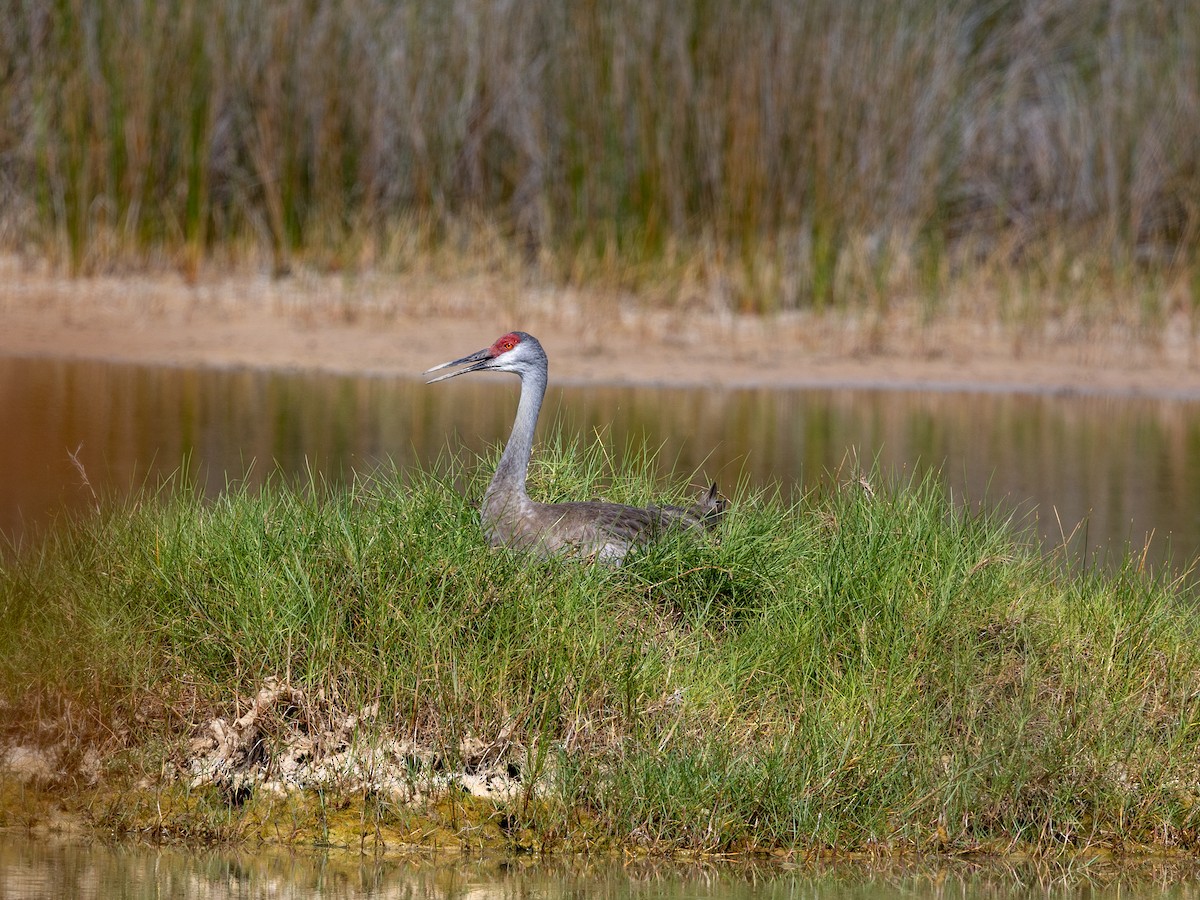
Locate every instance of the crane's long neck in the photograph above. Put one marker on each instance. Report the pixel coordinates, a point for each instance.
(509, 480)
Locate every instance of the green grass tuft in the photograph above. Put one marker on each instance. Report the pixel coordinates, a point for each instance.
(871, 665)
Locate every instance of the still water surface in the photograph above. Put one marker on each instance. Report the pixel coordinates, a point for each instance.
(53, 869)
(1120, 468)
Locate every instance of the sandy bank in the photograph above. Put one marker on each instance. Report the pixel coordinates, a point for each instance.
(402, 324)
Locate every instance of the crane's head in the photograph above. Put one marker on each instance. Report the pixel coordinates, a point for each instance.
(513, 352)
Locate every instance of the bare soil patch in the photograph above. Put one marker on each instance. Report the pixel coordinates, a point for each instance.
(400, 324)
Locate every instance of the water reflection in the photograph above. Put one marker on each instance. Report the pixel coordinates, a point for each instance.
(54, 868)
(1124, 467)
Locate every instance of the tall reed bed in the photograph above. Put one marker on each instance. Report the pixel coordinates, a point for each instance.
(873, 666)
(803, 152)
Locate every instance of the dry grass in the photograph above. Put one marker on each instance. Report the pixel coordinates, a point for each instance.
(752, 157)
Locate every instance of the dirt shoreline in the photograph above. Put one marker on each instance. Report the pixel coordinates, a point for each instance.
(399, 325)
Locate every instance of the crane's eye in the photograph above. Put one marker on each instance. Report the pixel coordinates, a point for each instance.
(506, 345)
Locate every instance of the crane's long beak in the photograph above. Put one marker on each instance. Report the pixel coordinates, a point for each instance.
(478, 360)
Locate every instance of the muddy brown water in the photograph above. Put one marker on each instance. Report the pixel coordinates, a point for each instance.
(1111, 471)
(52, 868)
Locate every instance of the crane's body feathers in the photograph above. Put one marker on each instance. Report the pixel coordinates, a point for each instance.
(592, 528)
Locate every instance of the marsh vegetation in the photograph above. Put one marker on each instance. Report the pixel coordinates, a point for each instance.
(755, 157)
(871, 666)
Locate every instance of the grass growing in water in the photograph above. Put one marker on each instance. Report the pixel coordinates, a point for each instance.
(864, 667)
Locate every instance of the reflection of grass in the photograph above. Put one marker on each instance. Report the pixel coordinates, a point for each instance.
(870, 665)
(782, 157)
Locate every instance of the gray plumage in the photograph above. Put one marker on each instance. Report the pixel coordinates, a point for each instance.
(592, 528)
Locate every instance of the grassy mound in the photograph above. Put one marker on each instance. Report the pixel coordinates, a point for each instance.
(871, 666)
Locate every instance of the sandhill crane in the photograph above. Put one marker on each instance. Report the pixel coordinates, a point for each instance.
(591, 528)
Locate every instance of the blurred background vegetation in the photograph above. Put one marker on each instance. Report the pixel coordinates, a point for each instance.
(771, 154)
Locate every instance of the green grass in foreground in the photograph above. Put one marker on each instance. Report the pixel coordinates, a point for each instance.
(859, 668)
